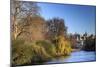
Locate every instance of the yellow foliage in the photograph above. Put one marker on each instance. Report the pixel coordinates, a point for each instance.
(63, 46)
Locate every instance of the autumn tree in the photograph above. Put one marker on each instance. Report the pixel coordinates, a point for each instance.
(56, 27)
(21, 15)
(37, 28)
(56, 32)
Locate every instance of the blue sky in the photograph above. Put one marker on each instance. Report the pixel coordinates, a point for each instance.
(77, 18)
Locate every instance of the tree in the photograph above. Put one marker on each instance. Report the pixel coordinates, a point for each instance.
(57, 35)
(37, 28)
(56, 27)
(90, 43)
(21, 15)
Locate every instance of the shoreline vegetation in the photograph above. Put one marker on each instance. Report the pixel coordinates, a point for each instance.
(36, 52)
(35, 40)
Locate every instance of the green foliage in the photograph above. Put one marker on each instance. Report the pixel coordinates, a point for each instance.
(40, 50)
(48, 46)
(21, 52)
(40, 53)
(25, 53)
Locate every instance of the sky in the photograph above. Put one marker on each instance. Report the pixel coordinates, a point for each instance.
(78, 18)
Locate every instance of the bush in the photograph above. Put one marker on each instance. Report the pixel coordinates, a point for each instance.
(68, 47)
(89, 45)
(21, 52)
(63, 46)
(27, 53)
(49, 47)
(38, 51)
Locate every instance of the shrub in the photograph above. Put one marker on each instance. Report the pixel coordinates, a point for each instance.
(40, 53)
(63, 46)
(68, 47)
(48, 46)
(27, 53)
(21, 52)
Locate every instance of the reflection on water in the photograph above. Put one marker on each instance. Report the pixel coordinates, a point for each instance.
(78, 56)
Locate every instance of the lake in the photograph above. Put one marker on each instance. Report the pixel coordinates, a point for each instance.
(78, 56)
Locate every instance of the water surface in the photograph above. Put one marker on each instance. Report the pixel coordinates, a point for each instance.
(79, 56)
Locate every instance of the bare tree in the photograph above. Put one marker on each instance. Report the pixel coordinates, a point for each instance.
(21, 15)
(56, 27)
